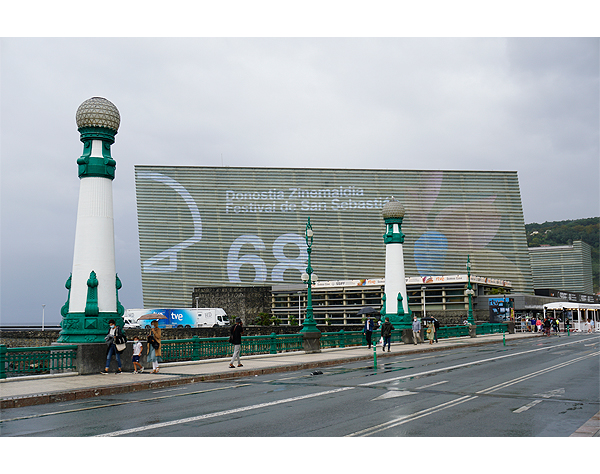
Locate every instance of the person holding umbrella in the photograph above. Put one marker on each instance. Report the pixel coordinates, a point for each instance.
(368, 330)
(154, 352)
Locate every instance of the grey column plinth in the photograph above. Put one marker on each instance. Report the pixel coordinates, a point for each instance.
(511, 327)
(91, 358)
(473, 330)
(311, 342)
(407, 336)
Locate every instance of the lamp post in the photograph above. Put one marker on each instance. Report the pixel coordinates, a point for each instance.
(470, 291)
(43, 309)
(308, 277)
(299, 308)
(423, 291)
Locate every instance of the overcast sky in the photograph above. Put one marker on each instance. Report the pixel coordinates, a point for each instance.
(530, 105)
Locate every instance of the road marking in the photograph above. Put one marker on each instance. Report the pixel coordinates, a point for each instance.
(407, 418)
(222, 413)
(429, 411)
(108, 405)
(466, 364)
(528, 406)
(508, 383)
(431, 385)
(559, 392)
(394, 394)
(169, 390)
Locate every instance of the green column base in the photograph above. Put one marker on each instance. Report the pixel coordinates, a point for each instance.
(399, 321)
(77, 328)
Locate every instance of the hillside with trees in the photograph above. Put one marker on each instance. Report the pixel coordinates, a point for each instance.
(564, 233)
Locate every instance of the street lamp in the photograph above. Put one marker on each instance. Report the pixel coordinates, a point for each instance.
(299, 308)
(423, 291)
(470, 291)
(308, 277)
(43, 309)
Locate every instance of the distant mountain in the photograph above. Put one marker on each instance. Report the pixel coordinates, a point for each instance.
(564, 233)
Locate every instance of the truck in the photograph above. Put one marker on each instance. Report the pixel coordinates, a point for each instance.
(178, 317)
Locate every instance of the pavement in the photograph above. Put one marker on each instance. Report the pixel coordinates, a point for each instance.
(25, 391)
(39, 389)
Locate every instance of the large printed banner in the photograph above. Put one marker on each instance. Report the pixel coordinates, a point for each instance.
(208, 226)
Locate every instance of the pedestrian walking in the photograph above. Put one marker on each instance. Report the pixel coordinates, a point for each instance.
(115, 336)
(416, 329)
(386, 333)
(592, 325)
(547, 325)
(154, 346)
(436, 325)
(538, 325)
(137, 353)
(588, 325)
(368, 330)
(430, 332)
(236, 339)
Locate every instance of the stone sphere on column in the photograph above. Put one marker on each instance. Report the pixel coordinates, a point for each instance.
(393, 210)
(98, 112)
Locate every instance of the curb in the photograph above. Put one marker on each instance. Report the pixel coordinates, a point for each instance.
(80, 394)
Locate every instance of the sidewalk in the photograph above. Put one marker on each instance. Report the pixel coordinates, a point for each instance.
(36, 390)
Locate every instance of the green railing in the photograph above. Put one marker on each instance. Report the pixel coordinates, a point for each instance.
(16, 361)
(492, 328)
(452, 331)
(219, 347)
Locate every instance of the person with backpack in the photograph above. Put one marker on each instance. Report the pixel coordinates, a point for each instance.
(436, 325)
(236, 339)
(154, 352)
(115, 336)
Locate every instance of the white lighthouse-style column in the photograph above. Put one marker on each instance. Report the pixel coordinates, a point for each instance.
(93, 285)
(395, 299)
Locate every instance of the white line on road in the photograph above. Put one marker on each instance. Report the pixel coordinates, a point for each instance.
(528, 406)
(108, 405)
(429, 411)
(431, 385)
(406, 418)
(535, 374)
(466, 364)
(222, 413)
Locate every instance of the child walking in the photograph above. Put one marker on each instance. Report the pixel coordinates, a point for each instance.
(137, 352)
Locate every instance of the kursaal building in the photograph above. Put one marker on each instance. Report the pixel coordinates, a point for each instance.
(221, 226)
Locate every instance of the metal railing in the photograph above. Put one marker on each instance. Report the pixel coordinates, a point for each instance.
(491, 328)
(43, 360)
(18, 361)
(173, 350)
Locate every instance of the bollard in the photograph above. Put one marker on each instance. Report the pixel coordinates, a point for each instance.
(374, 356)
(503, 339)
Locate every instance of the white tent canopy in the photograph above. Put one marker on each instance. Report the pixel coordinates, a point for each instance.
(562, 305)
(581, 312)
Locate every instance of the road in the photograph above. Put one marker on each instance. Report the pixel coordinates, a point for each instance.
(533, 387)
